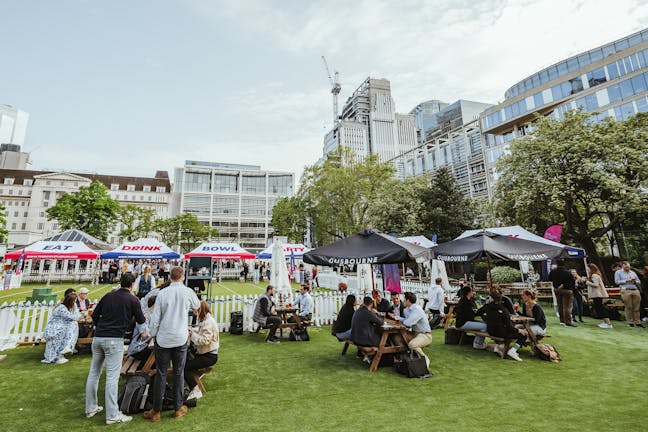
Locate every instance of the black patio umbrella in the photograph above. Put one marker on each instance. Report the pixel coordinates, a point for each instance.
(486, 244)
(367, 247)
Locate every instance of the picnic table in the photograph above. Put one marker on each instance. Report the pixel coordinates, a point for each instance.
(285, 313)
(86, 321)
(393, 339)
(526, 322)
(450, 315)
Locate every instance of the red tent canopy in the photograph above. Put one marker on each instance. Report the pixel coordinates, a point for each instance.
(220, 251)
(54, 250)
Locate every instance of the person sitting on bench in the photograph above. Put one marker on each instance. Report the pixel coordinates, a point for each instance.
(498, 322)
(342, 325)
(265, 316)
(532, 309)
(304, 302)
(364, 326)
(205, 338)
(465, 316)
(138, 347)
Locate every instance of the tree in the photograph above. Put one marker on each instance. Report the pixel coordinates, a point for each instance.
(448, 212)
(338, 194)
(400, 206)
(91, 210)
(590, 177)
(138, 222)
(184, 230)
(289, 218)
(3, 224)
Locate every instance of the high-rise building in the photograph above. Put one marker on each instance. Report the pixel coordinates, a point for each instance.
(13, 128)
(452, 140)
(235, 199)
(611, 80)
(369, 123)
(424, 117)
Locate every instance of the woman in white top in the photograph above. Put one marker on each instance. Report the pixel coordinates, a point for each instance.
(144, 283)
(596, 291)
(205, 338)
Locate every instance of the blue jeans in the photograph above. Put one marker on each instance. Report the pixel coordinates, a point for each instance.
(178, 356)
(110, 351)
(344, 335)
(477, 326)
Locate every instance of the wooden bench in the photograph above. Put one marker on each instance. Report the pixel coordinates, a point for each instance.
(505, 342)
(363, 349)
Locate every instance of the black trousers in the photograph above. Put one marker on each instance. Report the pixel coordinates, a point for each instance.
(272, 322)
(598, 308)
(198, 362)
(178, 356)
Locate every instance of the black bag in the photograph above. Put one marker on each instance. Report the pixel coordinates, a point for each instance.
(137, 394)
(612, 312)
(236, 323)
(452, 336)
(299, 334)
(412, 366)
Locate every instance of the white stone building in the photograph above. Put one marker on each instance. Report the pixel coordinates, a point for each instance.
(26, 196)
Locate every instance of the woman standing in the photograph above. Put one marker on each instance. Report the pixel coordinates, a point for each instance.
(596, 291)
(144, 283)
(205, 338)
(57, 331)
(577, 305)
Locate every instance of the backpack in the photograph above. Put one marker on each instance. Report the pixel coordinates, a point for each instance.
(299, 334)
(136, 395)
(546, 352)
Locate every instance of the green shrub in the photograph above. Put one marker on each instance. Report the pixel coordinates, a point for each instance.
(505, 274)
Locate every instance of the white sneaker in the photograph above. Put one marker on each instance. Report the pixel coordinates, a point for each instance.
(605, 326)
(45, 361)
(480, 346)
(195, 394)
(513, 354)
(67, 350)
(121, 418)
(497, 350)
(61, 360)
(94, 412)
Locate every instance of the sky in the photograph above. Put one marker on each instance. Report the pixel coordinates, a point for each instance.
(129, 87)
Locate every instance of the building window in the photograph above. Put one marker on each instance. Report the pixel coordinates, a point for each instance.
(130, 188)
(40, 226)
(28, 182)
(8, 181)
(13, 226)
(25, 214)
(114, 187)
(23, 226)
(10, 191)
(15, 214)
(255, 185)
(146, 188)
(47, 183)
(160, 189)
(41, 214)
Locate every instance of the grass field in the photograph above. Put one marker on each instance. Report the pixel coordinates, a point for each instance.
(224, 288)
(599, 386)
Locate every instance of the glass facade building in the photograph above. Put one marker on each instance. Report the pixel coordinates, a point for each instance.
(611, 80)
(235, 199)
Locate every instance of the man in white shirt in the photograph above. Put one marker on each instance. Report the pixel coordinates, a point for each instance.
(436, 303)
(304, 302)
(170, 327)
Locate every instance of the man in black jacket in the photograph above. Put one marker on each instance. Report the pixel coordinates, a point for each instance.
(264, 314)
(397, 308)
(564, 285)
(364, 324)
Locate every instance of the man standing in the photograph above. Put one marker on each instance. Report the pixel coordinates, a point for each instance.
(628, 281)
(416, 319)
(564, 284)
(169, 326)
(112, 316)
(265, 316)
(436, 303)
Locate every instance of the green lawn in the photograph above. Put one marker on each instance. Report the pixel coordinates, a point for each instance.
(599, 386)
(225, 288)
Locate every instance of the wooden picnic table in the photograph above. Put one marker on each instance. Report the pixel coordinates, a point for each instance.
(526, 322)
(394, 339)
(285, 313)
(450, 315)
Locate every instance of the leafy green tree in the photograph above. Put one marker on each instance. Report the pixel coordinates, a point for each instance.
(91, 210)
(289, 218)
(590, 177)
(338, 194)
(448, 212)
(400, 207)
(184, 230)
(3, 224)
(138, 222)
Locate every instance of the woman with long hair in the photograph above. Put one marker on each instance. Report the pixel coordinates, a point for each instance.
(342, 326)
(57, 331)
(205, 338)
(596, 291)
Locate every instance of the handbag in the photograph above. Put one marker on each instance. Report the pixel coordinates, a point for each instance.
(412, 366)
(299, 334)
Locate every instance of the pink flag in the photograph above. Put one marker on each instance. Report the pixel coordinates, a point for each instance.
(553, 233)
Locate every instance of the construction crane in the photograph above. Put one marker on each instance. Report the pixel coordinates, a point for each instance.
(335, 89)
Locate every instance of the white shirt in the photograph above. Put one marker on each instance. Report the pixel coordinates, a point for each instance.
(435, 298)
(169, 322)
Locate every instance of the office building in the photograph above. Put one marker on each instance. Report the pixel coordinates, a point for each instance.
(235, 199)
(13, 128)
(611, 80)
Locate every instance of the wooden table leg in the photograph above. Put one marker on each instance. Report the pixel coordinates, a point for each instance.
(532, 336)
(381, 345)
(448, 317)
